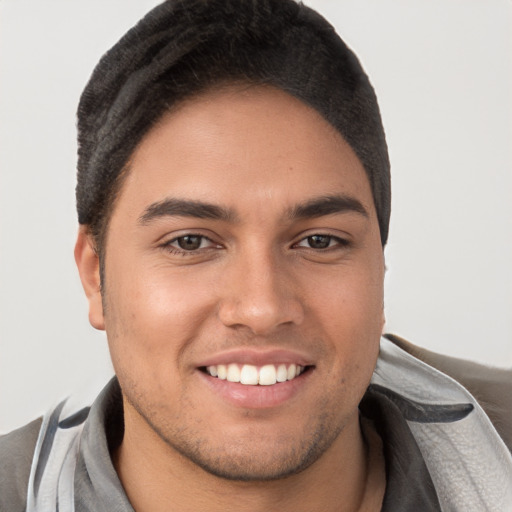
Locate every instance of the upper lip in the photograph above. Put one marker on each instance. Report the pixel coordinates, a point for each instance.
(257, 357)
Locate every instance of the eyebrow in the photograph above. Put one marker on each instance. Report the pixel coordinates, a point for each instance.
(328, 205)
(186, 208)
(316, 207)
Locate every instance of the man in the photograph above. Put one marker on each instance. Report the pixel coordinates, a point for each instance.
(233, 196)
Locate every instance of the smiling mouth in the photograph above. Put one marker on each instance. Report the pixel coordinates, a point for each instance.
(250, 375)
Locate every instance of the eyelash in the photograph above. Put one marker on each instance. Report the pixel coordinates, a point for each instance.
(339, 243)
(184, 252)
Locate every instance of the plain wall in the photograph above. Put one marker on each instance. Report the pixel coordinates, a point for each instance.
(442, 70)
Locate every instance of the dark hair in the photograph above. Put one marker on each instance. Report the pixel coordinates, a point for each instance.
(183, 47)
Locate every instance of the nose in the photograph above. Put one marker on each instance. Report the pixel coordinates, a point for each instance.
(260, 294)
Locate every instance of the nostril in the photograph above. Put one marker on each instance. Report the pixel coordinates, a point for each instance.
(260, 319)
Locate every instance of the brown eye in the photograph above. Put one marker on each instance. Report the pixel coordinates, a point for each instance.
(319, 241)
(190, 242)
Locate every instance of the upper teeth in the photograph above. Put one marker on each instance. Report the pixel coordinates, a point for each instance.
(253, 375)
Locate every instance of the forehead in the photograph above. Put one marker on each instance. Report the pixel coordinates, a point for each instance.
(243, 147)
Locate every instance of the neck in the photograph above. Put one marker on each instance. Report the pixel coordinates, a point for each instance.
(348, 477)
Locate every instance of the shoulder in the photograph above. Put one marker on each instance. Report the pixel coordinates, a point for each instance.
(16, 452)
(491, 387)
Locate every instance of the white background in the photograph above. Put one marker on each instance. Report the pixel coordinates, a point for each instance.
(443, 74)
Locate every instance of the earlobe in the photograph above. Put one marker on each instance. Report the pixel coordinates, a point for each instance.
(88, 263)
(383, 319)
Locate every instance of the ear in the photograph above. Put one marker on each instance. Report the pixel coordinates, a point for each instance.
(88, 263)
(383, 321)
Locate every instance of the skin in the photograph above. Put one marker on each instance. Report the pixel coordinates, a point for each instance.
(254, 284)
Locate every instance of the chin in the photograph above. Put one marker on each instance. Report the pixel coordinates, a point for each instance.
(253, 455)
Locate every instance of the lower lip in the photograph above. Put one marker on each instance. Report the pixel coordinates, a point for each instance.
(256, 397)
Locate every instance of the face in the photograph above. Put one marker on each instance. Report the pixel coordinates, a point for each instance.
(244, 246)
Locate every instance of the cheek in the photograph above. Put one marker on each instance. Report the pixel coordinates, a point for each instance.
(350, 298)
(152, 317)
(349, 307)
